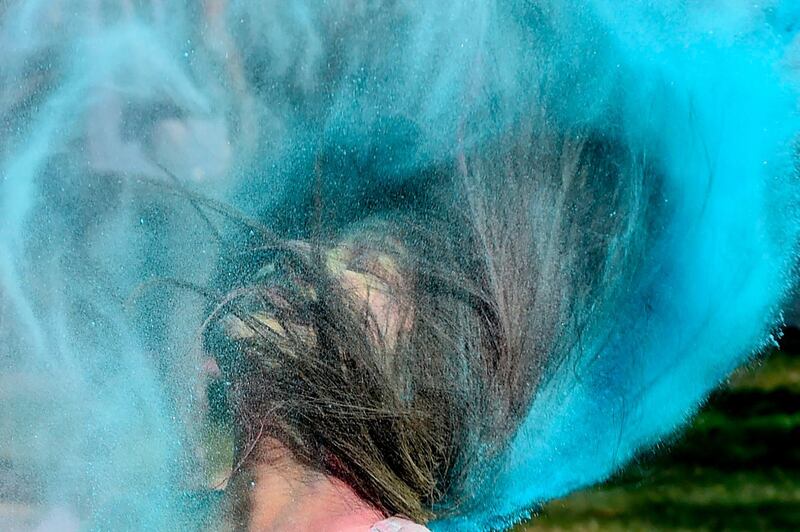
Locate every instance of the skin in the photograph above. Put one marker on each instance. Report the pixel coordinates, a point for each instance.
(281, 494)
(286, 497)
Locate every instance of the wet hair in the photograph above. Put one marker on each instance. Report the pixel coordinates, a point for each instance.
(412, 402)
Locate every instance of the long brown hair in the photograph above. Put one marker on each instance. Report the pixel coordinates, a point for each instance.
(483, 286)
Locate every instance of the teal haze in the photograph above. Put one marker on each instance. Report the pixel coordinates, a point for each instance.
(238, 100)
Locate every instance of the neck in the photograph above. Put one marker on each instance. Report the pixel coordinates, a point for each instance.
(280, 495)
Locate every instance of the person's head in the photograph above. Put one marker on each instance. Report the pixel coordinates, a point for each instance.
(400, 354)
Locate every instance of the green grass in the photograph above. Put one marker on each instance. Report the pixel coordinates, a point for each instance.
(737, 467)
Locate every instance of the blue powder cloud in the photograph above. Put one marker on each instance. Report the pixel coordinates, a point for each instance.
(98, 96)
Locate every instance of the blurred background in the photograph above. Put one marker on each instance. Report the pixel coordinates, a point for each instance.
(735, 467)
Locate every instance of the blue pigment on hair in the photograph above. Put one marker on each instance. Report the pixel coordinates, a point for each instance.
(101, 361)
